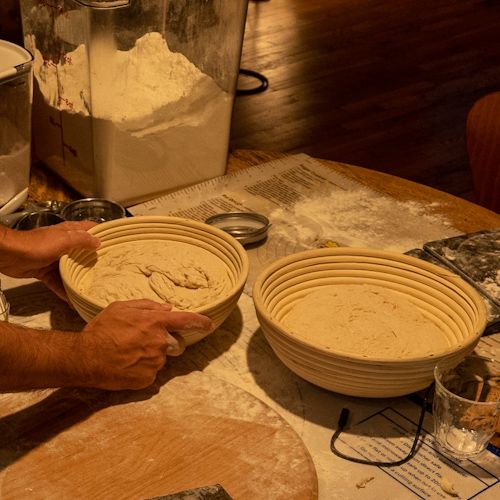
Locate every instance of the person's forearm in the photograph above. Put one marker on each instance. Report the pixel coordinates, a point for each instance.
(36, 359)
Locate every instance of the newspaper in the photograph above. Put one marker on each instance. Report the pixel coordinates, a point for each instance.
(428, 474)
(309, 205)
(262, 188)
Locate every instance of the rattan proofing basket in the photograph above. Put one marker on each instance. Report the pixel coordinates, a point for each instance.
(455, 306)
(75, 265)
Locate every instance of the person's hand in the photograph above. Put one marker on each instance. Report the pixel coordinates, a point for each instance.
(35, 253)
(126, 345)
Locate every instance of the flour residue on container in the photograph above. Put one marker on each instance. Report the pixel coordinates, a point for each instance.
(14, 161)
(135, 122)
(14, 173)
(478, 257)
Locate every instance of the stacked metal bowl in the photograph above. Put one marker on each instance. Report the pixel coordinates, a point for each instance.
(440, 295)
(75, 266)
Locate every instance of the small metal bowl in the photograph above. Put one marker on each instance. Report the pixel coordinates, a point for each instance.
(38, 219)
(94, 209)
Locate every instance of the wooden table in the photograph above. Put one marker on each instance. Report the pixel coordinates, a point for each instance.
(465, 216)
(226, 411)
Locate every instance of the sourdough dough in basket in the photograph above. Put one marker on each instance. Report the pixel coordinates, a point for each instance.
(364, 320)
(183, 275)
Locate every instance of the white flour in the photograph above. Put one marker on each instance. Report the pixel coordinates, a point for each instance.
(134, 123)
(360, 218)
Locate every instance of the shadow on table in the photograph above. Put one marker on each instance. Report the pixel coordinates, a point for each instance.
(198, 356)
(35, 299)
(30, 427)
(301, 398)
(26, 429)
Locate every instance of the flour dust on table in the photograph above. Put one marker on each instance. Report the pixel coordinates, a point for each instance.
(359, 218)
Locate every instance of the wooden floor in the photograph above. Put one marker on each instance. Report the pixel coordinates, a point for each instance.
(383, 84)
(377, 83)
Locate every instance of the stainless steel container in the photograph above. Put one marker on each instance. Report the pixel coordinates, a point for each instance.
(15, 125)
(38, 219)
(94, 209)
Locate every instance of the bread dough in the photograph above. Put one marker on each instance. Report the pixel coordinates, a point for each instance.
(364, 320)
(181, 274)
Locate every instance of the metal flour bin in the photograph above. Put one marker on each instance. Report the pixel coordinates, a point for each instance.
(133, 98)
(15, 125)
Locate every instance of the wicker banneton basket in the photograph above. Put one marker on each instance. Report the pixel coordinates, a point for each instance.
(444, 298)
(75, 266)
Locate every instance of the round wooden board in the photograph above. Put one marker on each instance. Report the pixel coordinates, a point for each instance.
(197, 430)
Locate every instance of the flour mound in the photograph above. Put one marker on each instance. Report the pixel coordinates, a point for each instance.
(140, 88)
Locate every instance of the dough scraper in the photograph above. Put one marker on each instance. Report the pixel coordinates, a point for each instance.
(212, 492)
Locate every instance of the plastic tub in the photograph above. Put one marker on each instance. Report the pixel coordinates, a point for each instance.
(133, 98)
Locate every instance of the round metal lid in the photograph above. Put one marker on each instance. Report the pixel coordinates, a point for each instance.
(246, 227)
(12, 59)
(104, 4)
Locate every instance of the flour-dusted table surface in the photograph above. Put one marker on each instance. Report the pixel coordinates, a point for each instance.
(83, 432)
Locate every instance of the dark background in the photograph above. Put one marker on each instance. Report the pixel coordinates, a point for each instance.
(377, 83)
